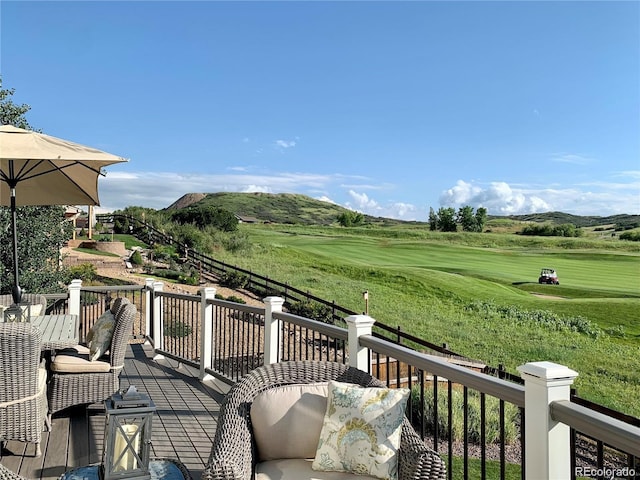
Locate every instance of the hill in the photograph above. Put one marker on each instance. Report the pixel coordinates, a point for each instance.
(300, 209)
(274, 208)
(577, 220)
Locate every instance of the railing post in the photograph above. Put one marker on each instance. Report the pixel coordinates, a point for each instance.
(158, 331)
(359, 325)
(271, 329)
(547, 445)
(148, 299)
(206, 334)
(74, 297)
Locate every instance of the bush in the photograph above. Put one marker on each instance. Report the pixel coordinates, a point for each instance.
(632, 236)
(492, 415)
(235, 299)
(233, 279)
(167, 273)
(544, 318)
(313, 310)
(84, 271)
(136, 258)
(177, 329)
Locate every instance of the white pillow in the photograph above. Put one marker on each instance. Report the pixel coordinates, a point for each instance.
(100, 335)
(361, 430)
(287, 420)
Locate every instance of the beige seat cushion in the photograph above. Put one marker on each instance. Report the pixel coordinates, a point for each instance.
(287, 420)
(299, 469)
(73, 360)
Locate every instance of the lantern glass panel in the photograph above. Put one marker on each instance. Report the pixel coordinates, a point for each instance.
(18, 312)
(127, 437)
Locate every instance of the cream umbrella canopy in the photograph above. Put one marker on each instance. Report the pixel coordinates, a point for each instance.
(38, 169)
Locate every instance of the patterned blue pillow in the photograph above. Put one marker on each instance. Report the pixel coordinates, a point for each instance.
(361, 430)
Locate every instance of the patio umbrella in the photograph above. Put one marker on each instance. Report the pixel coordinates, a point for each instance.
(45, 170)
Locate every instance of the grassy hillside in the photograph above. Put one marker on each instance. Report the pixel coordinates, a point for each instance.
(579, 221)
(289, 208)
(447, 288)
(280, 208)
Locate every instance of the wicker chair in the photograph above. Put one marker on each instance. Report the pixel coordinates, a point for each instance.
(23, 384)
(86, 385)
(6, 474)
(34, 299)
(233, 455)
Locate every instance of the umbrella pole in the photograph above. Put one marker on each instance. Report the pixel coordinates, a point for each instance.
(16, 292)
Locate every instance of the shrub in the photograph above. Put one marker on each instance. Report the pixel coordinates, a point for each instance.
(136, 258)
(84, 271)
(167, 273)
(492, 415)
(233, 279)
(631, 236)
(543, 318)
(189, 279)
(235, 299)
(313, 310)
(177, 329)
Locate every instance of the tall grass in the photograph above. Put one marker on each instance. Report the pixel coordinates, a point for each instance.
(426, 413)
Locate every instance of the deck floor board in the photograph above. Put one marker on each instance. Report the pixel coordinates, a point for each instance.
(183, 426)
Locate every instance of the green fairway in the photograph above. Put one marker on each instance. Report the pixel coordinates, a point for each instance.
(436, 286)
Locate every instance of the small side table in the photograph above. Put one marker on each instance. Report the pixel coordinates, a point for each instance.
(160, 469)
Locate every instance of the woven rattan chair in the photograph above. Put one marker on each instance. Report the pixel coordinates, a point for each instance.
(6, 474)
(67, 389)
(35, 299)
(233, 452)
(23, 384)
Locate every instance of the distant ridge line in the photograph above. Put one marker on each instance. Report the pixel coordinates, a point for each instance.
(298, 208)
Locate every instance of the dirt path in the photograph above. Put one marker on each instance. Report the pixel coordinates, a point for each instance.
(112, 267)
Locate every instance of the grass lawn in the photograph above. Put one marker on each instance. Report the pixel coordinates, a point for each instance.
(426, 283)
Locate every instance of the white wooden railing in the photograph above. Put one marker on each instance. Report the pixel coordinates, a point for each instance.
(545, 396)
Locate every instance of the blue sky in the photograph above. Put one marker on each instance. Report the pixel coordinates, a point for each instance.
(388, 108)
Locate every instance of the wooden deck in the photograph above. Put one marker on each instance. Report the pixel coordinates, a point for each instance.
(183, 427)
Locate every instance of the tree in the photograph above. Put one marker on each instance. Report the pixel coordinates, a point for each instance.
(433, 220)
(350, 218)
(481, 218)
(10, 113)
(466, 219)
(447, 219)
(41, 231)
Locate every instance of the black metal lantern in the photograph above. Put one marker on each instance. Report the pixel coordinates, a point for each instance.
(127, 438)
(18, 312)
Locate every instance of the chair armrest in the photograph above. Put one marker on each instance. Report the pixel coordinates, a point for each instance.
(415, 459)
(221, 469)
(232, 454)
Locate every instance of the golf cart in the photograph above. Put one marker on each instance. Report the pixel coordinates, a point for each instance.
(548, 276)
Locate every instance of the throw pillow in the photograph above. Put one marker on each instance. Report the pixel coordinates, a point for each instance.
(99, 337)
(361, 430)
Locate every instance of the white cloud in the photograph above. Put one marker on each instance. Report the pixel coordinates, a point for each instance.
(500, 198)
(326, 199)
(399, 210)
(285, 143)
(160, 189)
(571, 158)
